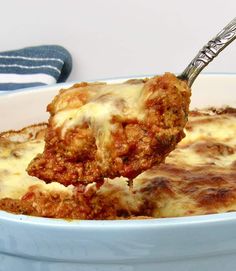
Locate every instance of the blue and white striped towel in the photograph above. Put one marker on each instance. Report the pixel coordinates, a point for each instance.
(34, 66)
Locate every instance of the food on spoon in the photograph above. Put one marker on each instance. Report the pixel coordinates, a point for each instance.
(100, 130)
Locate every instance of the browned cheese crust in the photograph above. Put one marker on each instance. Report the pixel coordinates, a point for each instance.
(133, 144)
(199, 177)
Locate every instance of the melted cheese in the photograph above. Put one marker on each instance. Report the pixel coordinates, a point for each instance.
(121, 100)
(14, 159)
(221, 130)
(195, 180)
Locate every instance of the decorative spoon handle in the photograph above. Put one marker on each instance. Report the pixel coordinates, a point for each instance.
(209, 52)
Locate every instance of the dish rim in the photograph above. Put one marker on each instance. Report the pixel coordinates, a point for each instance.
(107, 79)
(124, 223)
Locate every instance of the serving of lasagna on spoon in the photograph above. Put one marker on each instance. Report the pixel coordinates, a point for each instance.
(103, 130)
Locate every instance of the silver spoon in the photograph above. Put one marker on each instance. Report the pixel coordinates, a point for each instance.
(209, 52)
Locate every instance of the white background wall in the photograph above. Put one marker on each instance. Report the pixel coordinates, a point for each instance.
(111, 38)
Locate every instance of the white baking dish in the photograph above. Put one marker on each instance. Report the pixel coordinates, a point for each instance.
(173, 244)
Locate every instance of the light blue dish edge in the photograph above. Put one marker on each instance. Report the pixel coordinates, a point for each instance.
(68, 83)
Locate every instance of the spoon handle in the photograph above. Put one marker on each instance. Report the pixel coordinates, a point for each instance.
(209, 52)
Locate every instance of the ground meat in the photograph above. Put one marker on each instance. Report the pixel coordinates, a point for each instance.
(135, 144)
(53, 206)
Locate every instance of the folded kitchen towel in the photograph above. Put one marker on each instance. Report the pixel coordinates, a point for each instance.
(34, 66)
